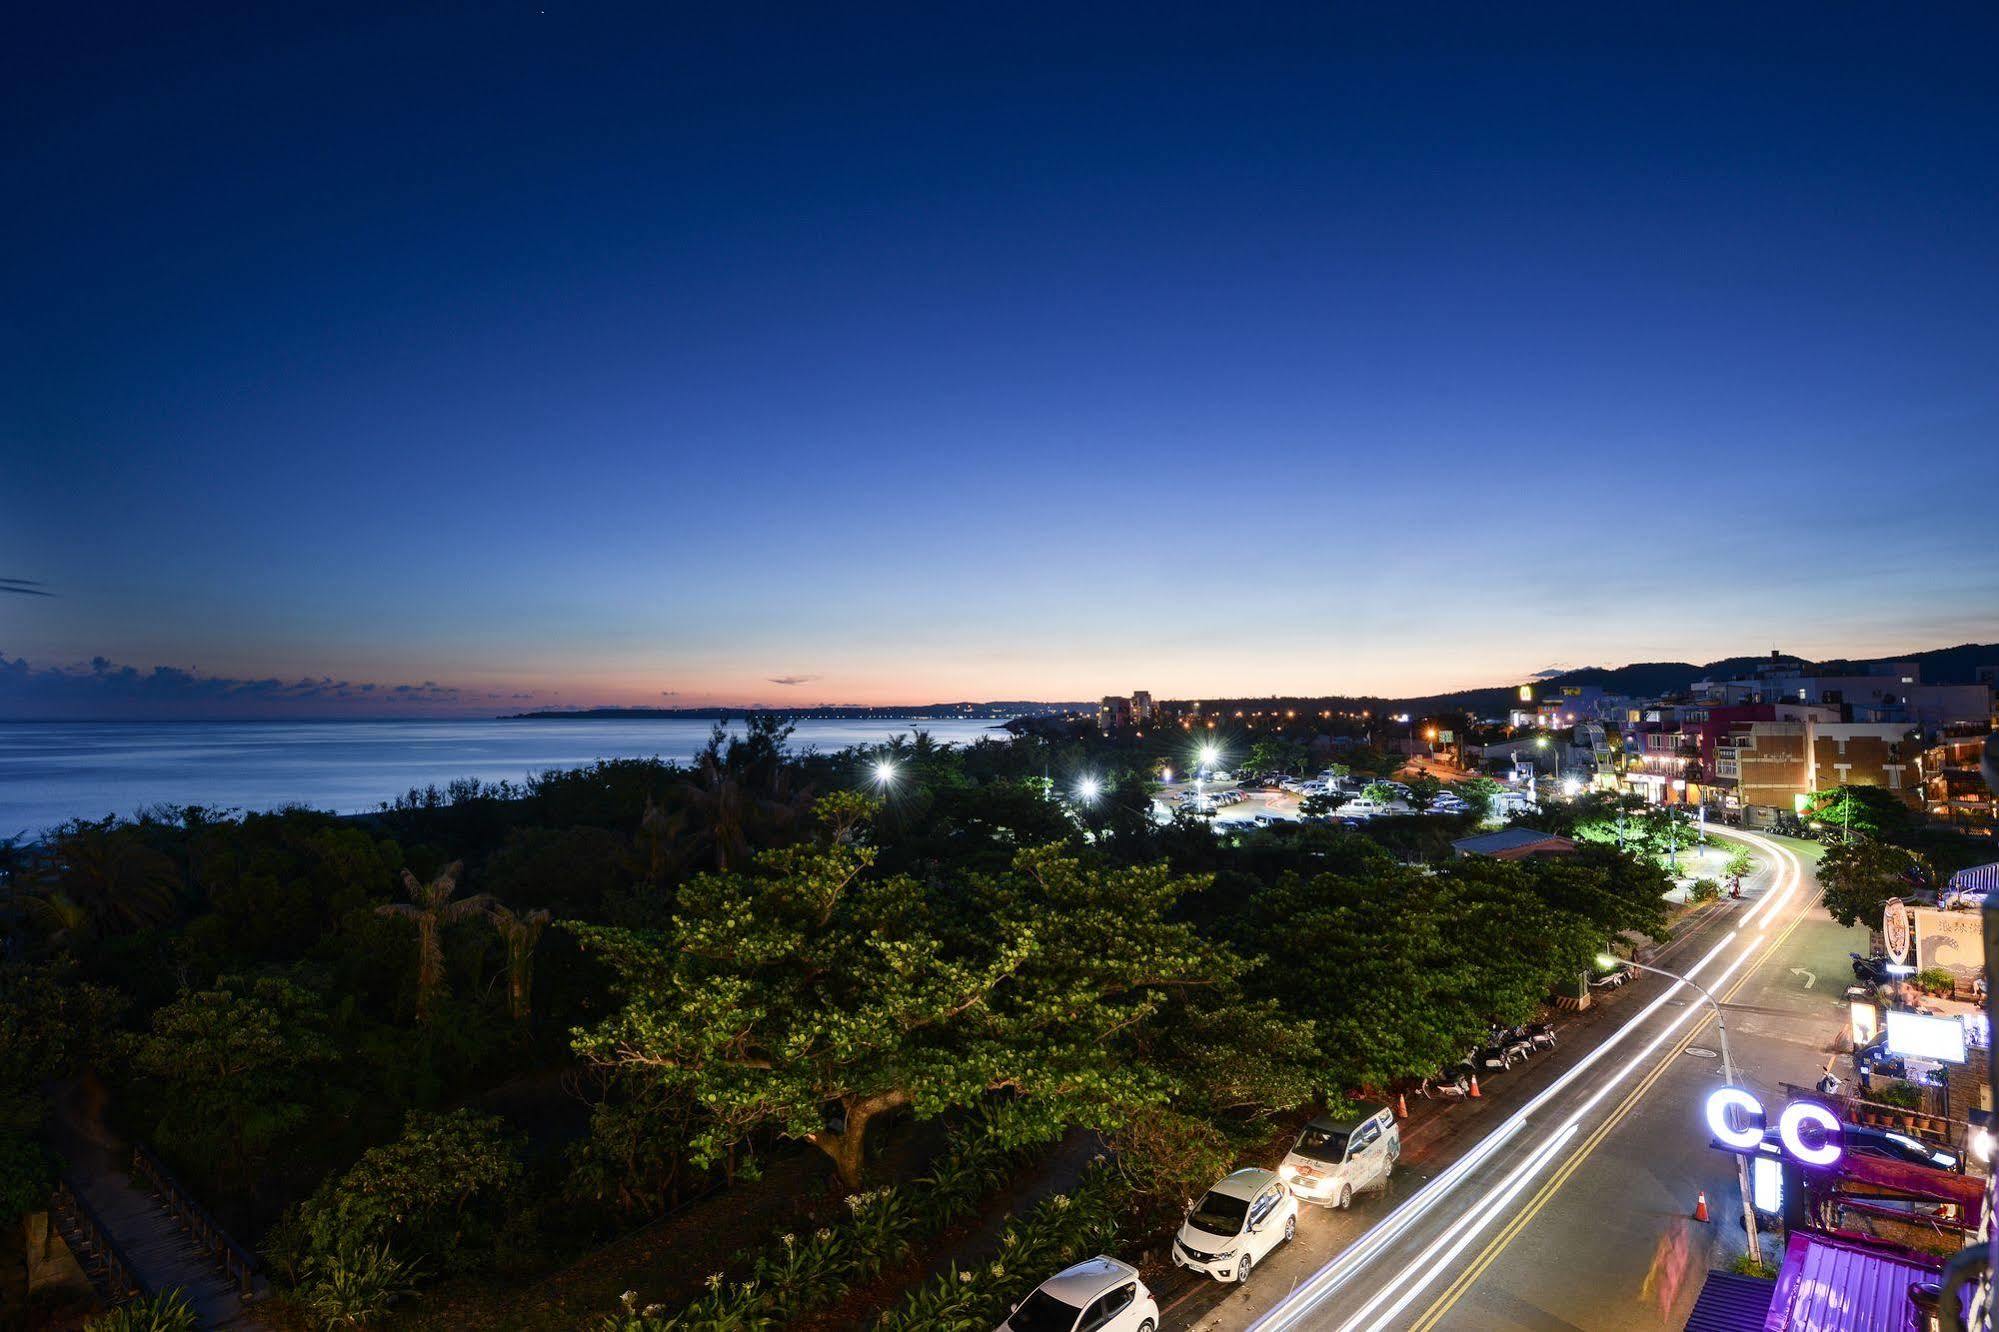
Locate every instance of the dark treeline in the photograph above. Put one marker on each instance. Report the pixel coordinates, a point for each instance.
(490, 1027)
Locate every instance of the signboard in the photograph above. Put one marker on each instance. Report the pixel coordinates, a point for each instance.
(1896, 929)
(1526, 693)
(1950, 940)
(1920, 1036)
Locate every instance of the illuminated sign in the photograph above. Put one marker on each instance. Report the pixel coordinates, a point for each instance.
(1766, 1185)
(1896, 928)
(1526, 693)
(1921, 1036)
(1809, 1133)
(1865, 1022)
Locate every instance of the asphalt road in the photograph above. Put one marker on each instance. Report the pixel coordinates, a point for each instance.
(1561, 1199)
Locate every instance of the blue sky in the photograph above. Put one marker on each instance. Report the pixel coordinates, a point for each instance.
(642, 353)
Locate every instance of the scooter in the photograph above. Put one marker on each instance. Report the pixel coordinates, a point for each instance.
(1541, 1035)
(1870, 970)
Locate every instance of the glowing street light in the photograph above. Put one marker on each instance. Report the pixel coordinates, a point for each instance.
(884, 773)
(1211, 756)
(1088, 789)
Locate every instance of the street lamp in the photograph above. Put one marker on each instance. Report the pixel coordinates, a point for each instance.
(884, 773)
(1607, 962)
(1088, 789)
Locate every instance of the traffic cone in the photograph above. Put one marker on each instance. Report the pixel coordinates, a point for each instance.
(1474, 1087)
(1700, 1208)
(1401, 1106)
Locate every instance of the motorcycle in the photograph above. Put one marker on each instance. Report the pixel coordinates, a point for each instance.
(1870, 970)
(1541, 1035)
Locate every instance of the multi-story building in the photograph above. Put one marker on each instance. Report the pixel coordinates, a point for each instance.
(1776, 766)
(1113, 713)
(1142, 710)
(1953, 787)
(1881, 692)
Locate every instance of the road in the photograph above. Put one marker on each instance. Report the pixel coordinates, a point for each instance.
(1562, 1199)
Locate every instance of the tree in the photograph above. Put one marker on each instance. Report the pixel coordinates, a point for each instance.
(434, 1190)
(230, 1067)
(1860, 876)
(1423, 788)
(1479, 793)
(1380, 792)
(430, 909)
(520, 933)
(1860, 811)
(1276, 754)
(813, 996)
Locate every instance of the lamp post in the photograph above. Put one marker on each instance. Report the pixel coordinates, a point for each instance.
(1727, 1072)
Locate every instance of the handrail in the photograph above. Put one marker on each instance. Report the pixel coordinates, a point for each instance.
(121, 1279)
(207, 1232)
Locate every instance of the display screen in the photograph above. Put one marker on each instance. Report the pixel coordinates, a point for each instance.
(1920, 1036)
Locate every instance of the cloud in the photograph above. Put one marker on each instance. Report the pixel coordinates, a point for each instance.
(791, 679)
(102, 688)
(669, 693)
(24, 587)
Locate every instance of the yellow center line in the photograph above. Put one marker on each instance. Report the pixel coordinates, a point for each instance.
(1456, 1290)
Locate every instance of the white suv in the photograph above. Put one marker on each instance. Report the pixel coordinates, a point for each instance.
(1100, 1295)
(1236, 1225)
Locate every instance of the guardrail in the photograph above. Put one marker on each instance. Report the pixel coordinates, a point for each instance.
(95, 1251)
(204, 1229)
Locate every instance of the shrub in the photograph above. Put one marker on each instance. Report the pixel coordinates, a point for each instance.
(1744, 1265)
(1936, 981)
(1740, 863)
(435, 1190)
(27, 1173)
(1904, 1095)
(356, 1285)
(1704, 890)
(167, 1311)
(1059, 1231)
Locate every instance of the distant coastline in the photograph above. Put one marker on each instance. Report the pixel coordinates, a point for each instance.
(995, 712)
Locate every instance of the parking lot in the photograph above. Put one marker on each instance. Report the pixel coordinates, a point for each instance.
(1231, 803)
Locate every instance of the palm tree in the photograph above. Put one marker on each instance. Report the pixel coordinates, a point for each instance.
(430, 908)
(520, 932)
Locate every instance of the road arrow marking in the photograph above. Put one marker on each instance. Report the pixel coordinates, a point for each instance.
(1809, 977)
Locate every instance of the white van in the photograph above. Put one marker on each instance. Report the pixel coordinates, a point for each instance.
(1334, 1159)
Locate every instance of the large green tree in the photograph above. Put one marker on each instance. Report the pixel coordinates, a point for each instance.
(230, 1070)
(430, 909)
(812, 995)
(1860, 876)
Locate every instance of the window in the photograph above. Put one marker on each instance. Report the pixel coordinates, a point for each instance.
(1265, 1201)
(1107, 1307)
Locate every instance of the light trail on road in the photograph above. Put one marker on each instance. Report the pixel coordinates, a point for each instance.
(1409, 1275)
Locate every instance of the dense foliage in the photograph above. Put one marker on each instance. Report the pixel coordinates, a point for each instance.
(387, 1049)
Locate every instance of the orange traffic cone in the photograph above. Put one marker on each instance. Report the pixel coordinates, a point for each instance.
(1474, 1087)
(1700, 1208)
(1401, 1106)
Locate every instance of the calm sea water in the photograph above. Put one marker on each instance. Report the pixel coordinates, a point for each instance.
(52, 771)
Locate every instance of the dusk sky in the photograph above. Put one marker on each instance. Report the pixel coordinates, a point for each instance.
(508, 356)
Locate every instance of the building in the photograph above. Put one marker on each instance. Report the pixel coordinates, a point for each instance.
(1776, 766)
(1953, 788)
(1114, 713)
(1877, 692)
(1142, 711)
(1558, 707)
(1514, 844)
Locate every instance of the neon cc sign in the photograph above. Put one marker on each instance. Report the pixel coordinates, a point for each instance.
(1810, 1133)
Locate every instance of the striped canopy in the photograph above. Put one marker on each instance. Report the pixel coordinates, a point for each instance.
(1977, 879)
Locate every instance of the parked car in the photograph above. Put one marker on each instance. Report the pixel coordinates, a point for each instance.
(1099, 1295)
(1236, 1225)
(1335, 1158)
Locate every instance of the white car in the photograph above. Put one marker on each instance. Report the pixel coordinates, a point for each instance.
(1099, 1295)
(1335, 1159)
(1236, 1225)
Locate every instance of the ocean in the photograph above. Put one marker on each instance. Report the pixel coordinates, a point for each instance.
(53, 771)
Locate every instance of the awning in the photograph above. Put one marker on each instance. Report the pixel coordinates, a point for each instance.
(1833, 1286)
(1731, 1303)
